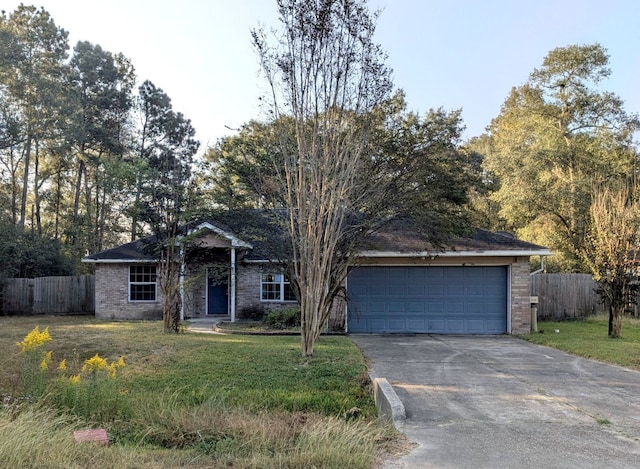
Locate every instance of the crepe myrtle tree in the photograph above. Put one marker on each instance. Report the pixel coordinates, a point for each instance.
(556, 136)
(325, 73)
(611, 252)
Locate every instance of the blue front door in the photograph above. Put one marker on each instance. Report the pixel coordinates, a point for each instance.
(217, 296)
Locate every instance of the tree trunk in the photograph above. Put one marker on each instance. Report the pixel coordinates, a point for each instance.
(14, 188)
(102, 208)
(78, 190)
(136, 205)
(58, 201)
(616, 322)
(25, 181)
(36, 188)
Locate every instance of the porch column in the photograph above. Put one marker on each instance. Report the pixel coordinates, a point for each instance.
(232, 306)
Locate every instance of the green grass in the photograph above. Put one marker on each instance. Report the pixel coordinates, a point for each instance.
(588, 338)
(204, 400)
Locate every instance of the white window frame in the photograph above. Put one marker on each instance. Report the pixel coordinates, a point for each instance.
(280, 280)
(149, 282)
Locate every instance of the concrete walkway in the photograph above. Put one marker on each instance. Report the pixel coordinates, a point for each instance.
(499, 402)
(205, 325)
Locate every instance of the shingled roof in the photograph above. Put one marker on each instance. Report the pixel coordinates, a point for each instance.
(399, 237)
(135, 251)
(260, 230)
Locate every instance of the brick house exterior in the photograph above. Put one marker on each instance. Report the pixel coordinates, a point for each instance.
(244, 279)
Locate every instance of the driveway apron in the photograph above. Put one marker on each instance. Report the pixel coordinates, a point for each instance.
(500, 402)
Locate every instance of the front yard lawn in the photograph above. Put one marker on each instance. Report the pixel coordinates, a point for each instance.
(192, 399)
(588, 338)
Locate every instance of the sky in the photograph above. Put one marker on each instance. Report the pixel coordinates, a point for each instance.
(444, 53)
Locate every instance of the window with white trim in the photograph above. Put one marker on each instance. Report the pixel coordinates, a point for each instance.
(142, 283)
(276, 287)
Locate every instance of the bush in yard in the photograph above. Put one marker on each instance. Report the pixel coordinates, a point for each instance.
(283, 318)
(252, 313)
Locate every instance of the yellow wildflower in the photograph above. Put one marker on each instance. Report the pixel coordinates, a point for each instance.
(46, 360)
(94, 364)
(112, 370)
(75, 379)
(120, 363)
(63, 365)
(34, 339)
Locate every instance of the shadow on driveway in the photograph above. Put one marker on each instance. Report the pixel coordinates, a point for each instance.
(500, 402)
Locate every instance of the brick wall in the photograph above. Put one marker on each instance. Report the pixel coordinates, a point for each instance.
(520, 296)
(248, 278)
(112, 299)
(195, 299)
(112, 295)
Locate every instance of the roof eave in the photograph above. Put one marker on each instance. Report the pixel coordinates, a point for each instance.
(436, 254)
(119, 261)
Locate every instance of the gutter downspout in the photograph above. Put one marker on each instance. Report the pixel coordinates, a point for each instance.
(232, 306)
(541, 269)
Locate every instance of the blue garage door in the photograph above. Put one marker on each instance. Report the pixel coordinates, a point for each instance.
(438, 300)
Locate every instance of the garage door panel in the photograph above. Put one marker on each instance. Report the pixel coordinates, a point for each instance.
(494, 326)
(415, 307)
(446, 300)
(414, 323)
(436, 326)
(376, 323)
(455, 289)
(397, 325)
(454, 326)
(474, 290)
(416, 290)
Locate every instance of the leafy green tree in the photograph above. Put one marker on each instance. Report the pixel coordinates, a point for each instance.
(11, 138)
(413, 166)
(101, 98)
(32, 72)
(29, 254)
(167, 146)
(242, 170)
(555, 137)
(417, 169)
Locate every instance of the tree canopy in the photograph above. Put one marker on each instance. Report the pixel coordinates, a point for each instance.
(80, 150)
(556, 136)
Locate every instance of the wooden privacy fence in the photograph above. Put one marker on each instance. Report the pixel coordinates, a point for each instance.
(566, 296)
(48, 295)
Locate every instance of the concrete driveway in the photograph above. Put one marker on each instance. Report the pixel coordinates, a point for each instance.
(499, 402)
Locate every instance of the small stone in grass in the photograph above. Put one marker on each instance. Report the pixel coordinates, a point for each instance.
(97, 435)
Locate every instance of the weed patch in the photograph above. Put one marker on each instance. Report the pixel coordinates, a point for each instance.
(188, 400)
